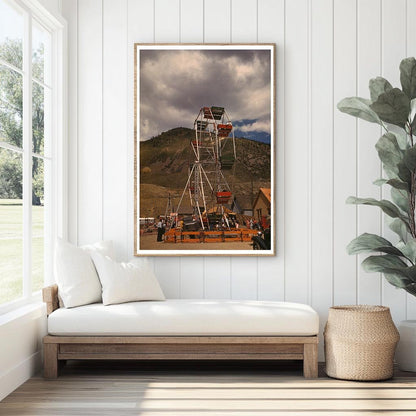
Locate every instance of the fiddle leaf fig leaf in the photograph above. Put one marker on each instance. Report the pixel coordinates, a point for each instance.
(359, 107)
(412, 116)
(414, 126)
(398, 184)
(402, 139)
(411, 289)
(388, 207)
(380, 182)
(397, 280)
(400, 198)
(410, 158)
(378, 86)
(389, 151)
(408, 249)
(412, 109)
(404, 173)
(395, 270)
(395, 183)
(366, 243)
(390, 173)
(400, 228)
(392, 107)
(381, 263)
(408, 77)
(410, 272)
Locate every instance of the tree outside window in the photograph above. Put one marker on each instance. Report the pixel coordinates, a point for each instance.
(25, 64)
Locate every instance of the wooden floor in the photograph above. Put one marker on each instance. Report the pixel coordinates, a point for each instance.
(226, 389)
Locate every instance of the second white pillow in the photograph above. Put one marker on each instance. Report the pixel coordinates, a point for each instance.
(126, 282)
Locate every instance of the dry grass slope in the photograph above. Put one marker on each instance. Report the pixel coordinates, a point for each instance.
(164, 162)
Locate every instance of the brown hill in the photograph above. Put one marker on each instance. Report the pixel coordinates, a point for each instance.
(164, 163)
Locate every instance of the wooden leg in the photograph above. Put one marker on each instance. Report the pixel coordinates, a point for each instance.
(50, 360)
(310, 360)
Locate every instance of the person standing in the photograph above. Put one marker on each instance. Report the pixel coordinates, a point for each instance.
(159, 230)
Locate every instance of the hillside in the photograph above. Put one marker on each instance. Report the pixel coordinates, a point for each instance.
(164, 162)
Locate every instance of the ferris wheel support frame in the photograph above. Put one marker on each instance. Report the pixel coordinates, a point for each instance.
(212, 129)
(199, 170)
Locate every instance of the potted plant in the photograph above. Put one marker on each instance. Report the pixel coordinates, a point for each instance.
(394, 109)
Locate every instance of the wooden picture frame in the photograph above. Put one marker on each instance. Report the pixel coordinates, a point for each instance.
(204, 143)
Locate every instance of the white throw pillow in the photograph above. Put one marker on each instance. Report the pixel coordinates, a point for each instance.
(75, 273)
(126, 282)
(104, 247)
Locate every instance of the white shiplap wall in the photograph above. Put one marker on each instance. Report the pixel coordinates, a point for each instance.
(326, 50)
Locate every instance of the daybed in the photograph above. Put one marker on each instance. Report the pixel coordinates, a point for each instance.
(181, 329)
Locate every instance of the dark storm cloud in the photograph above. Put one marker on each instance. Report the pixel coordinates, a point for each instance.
(175, 84)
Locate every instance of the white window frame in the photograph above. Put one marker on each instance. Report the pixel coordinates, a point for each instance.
(58, 211)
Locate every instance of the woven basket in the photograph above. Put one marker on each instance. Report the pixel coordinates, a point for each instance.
(360, 342)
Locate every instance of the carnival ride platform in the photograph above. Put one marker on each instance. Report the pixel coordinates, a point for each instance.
(204, 236)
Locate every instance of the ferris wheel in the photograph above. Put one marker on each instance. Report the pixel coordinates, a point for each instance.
(214, 151)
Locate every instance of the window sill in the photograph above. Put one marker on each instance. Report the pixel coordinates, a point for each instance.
(18, 303)
(34, 306)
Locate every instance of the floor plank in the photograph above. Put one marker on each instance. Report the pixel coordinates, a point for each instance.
(226, 389)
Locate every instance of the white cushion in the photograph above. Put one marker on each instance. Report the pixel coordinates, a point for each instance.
(75, 273)
(104, 247)
(181, 317)
(125, 282)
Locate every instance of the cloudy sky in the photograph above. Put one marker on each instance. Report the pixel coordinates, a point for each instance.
(175, 84)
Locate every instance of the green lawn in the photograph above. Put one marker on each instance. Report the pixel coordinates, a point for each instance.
(11, 249)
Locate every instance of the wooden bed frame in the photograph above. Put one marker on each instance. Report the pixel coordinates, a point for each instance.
(58, 349)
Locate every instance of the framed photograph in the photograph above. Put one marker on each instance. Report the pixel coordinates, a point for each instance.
(204, 150)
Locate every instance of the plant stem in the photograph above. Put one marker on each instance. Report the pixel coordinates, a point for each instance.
(412, 196)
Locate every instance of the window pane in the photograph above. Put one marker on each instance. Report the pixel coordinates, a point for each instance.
(39, 117)
(38, 229)
(11, 226)
(11, 34)
(11, 106)
(41, 46)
